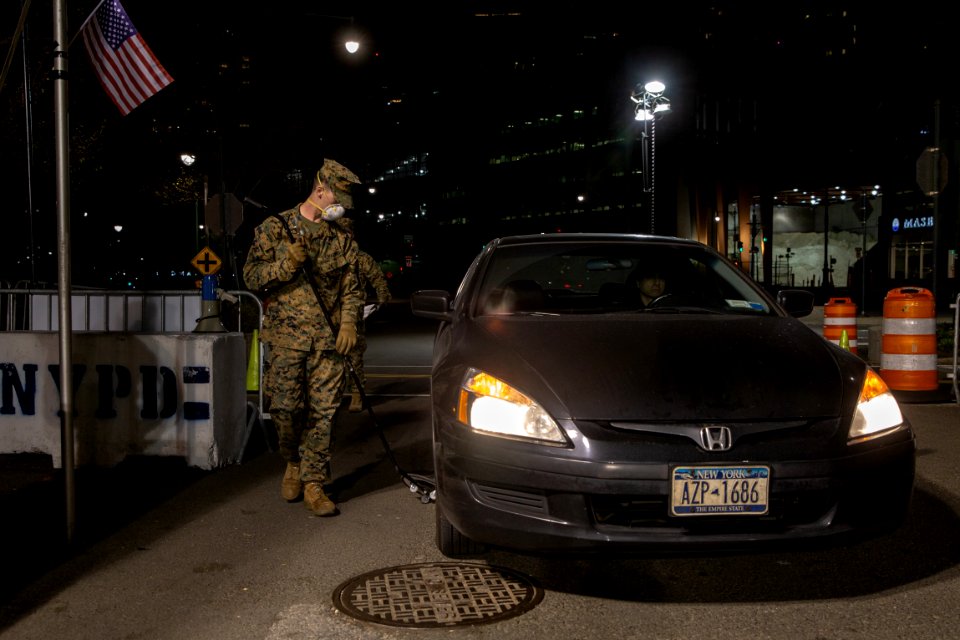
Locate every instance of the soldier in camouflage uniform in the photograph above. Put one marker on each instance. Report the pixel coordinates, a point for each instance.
(306, 373)
(371, 281)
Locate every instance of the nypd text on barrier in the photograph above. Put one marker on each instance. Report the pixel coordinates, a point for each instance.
(158, 385)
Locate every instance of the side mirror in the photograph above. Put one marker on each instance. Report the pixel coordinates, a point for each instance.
(431, 303)
(797, 302)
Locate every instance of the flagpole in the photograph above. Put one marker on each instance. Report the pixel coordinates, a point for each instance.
(84, 23)
(63, 254)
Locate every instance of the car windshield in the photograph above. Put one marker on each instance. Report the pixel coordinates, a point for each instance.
(605, 277)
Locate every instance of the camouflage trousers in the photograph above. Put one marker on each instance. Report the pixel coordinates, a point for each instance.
(356, 358)
(305, 389)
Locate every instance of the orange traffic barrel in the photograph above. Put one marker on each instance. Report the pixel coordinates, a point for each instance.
(908, 357)
(839, 315)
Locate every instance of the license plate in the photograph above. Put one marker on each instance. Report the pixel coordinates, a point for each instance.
(719, 491)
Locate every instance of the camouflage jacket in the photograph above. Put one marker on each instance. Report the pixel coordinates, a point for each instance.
(292, 317)
(371, 275)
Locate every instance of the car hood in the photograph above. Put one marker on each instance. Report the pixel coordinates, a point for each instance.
(660, 367)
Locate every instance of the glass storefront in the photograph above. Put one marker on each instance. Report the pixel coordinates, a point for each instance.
(911, 260)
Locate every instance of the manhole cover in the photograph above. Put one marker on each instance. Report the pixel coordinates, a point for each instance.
(443, 594)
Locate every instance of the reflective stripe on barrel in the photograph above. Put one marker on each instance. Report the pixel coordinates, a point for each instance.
(908, 357)
(840, 314)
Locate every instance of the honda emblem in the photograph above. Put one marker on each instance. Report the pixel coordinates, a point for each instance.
(715, 438)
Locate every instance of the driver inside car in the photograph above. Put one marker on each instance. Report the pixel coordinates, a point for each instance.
(650, 284)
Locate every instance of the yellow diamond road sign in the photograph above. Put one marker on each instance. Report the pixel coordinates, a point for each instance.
(206, 261)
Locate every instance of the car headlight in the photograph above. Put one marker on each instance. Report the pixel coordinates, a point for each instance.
(877, 411)
(490, 405)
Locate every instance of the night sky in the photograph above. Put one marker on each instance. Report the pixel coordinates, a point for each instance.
(304, 99)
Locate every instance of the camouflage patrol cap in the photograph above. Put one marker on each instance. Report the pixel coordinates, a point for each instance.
(340, 179)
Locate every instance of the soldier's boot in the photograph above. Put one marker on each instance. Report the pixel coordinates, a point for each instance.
(290, 486)
(317, 501)
(356, 404)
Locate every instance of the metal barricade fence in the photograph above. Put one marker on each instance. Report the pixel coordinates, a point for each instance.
(255, 342)
(110, 311)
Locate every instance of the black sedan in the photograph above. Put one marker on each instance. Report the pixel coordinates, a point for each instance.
(637, 393)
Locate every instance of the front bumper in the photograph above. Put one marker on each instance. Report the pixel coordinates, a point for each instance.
(536, 498)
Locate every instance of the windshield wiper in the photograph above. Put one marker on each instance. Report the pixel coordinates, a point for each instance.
(680, 309)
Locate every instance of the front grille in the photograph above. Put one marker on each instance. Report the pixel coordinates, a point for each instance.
(630, 511)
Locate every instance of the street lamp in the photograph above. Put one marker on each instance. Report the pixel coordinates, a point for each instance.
(351, 38)
(650, 103)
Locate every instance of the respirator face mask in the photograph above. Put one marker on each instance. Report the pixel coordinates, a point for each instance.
(333, 212)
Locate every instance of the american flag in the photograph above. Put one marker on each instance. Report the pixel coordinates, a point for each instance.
(126, 66)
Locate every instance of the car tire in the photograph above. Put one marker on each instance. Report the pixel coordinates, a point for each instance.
(451, 542)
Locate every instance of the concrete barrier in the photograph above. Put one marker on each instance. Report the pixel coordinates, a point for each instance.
(134, 394)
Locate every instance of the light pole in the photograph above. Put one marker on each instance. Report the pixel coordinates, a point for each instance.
(650, 102)
(863, 210)
(829, 195)
(188, 159)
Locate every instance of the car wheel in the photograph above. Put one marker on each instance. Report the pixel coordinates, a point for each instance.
(451, 542)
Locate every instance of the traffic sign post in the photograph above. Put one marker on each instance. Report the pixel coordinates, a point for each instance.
(209, 320)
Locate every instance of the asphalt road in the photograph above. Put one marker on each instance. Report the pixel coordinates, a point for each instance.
(162, 551)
